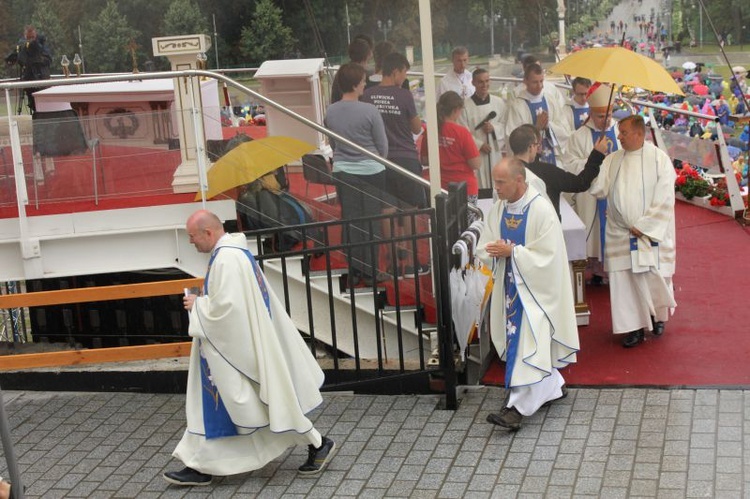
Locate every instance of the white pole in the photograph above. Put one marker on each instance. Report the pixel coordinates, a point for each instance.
(80, 51)
(430, 91)
(200, 139)
(348, 25)
(216, 42)
(492, 29)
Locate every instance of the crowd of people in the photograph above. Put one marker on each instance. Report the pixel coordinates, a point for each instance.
(530, 152)
(527, 151)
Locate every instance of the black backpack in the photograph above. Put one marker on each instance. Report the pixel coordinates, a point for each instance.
(261, 208)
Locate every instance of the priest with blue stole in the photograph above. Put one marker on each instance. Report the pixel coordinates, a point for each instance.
(532, 316)
(533, 106)
(252, 379)
(592, 211)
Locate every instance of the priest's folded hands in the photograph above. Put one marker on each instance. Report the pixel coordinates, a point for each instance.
(500, 249)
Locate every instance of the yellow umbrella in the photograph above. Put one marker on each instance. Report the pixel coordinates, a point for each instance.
(619, 66)
(251, 160)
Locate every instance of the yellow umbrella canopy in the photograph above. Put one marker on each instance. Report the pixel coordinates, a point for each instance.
(619, 66)
(251, 160)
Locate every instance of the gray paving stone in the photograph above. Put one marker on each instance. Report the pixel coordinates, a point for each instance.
(699, 489)
(600, 443)
(614, 492)
(482, 483)
(452, 490)
(373, 493)
(422, 494)
(350, 487)
(402, 488)
(587, 486)
(728, 482)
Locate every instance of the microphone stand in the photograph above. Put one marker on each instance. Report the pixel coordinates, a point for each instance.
(19, 92)
(489, 157)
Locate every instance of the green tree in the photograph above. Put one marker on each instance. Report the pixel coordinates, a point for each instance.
(47, 23)
(184, 17)
(110, 34)
(267, 37)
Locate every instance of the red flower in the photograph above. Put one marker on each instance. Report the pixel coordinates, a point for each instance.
(680, 180)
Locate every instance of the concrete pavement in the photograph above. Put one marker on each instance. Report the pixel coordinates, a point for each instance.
(597, 443)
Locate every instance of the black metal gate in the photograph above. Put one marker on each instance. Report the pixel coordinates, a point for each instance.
(323, 257)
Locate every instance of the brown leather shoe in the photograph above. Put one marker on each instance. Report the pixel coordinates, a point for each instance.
(508, 417)
(633, 338)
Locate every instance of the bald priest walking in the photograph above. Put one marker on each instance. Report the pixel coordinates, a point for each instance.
(251, 379)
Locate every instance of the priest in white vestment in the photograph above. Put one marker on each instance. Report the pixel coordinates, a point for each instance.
(532, 316)
(252, 378)
(459, 77)
(577, 107)
(484, 116)
(639, 254)
(533, 106)
(590, 210)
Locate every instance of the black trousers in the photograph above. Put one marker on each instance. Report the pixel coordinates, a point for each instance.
(361, 196)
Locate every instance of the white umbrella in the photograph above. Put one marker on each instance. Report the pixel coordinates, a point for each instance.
(689, 65)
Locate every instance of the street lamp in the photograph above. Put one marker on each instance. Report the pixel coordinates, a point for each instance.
(384, 26)
(491, 21)
(508, 24)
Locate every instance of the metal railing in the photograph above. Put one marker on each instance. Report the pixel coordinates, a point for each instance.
(325, 247)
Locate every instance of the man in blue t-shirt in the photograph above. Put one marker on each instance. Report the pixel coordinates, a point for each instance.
(396, 106)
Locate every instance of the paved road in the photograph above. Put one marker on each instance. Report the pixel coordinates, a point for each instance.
(597, 442)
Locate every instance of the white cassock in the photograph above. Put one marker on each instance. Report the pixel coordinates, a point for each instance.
(580, 145)
(519, 114)
(472, 116)
(459, 83)
(639, 187)
(252, 378)
(548, 334)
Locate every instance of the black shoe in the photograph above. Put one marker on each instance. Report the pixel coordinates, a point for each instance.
(564, 394)
(508, 417)
(317, 459)
(658, 329)
(633, 338)
(597, 280)
(187, 476)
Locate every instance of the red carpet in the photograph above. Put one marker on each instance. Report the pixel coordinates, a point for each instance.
(706, 342)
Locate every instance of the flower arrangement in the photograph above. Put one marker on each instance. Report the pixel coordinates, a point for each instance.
(720, 193)
(691, 183)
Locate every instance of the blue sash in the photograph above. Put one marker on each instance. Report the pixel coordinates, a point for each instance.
(580, 115)
(601, 204)
(513, 229)
(547, 154)
(216, 419)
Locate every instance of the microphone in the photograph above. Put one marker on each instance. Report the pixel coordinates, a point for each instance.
(489, 117)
